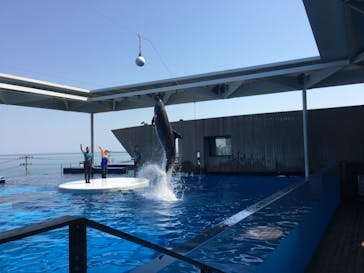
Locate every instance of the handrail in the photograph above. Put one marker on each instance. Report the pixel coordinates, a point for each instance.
(20, 233)
(77, 240)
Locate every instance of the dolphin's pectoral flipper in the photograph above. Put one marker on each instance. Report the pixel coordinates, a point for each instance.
(153, 119)
(176, 135)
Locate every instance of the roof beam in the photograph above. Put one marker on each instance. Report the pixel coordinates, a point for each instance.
(2, 99)
(17, 88)
(359, 58)
(167, 96)
(356, 5)
(219, 90)
(232, 88)
(289, 82)
(66, 103)
(318, 76)
(205, 93)
(10, 79)
(17, 98)
(141, 99)
(222, 80)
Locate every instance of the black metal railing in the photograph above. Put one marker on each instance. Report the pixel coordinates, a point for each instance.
(78, 241)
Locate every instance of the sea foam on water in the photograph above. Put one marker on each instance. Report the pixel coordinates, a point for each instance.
(161, 183)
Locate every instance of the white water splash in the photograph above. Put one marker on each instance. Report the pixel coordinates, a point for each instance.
(162, 185)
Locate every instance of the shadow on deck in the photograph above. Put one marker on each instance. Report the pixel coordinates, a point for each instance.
(341, 249)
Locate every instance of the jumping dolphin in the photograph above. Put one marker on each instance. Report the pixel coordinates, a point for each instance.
(167, 137)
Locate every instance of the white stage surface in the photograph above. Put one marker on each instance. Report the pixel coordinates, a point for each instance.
(105, 184)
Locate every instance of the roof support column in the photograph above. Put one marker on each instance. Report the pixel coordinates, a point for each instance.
(92, 133)
(305, 137)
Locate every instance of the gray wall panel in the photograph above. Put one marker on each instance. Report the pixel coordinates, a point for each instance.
(263, 143)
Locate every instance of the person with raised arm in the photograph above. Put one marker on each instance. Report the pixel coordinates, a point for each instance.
(87, 163)
(104, 161)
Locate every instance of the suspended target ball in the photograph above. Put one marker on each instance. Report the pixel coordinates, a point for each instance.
(140, 61)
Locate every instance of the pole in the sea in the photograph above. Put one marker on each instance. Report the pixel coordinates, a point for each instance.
(26, 164)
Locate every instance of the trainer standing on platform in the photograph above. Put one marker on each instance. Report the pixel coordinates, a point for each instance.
(87, 163)
(104, 161)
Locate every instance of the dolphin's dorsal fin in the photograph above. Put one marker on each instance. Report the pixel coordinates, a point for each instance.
(176, 135)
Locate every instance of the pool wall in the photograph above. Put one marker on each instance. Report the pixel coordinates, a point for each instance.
(296, 250)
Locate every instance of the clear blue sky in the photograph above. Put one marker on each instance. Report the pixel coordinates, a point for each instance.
(93, 44)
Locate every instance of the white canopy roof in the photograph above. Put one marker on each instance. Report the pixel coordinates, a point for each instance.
(340, 62)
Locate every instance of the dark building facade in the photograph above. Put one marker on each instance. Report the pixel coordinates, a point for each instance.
(260, 144)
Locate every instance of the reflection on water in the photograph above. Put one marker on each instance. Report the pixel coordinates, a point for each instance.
(263, 233)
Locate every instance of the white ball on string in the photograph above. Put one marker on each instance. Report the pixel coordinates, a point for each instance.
(140, 61)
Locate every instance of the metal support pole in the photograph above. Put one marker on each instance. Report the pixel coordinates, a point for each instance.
(305, 137)
(92, 134)
(77, 248)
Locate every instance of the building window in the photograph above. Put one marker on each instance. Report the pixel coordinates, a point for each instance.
(220, 146)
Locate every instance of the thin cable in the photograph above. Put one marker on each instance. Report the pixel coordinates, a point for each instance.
(159, 56)
(46, 158)
(111, 20)
(9, 168)
(7, 161)
(140, 44)
(140, 37)
(116, 24)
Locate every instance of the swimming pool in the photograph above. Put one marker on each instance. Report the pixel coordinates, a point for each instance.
(204, 201)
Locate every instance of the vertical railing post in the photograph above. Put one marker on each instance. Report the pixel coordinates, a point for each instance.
(305, 134)
(204, 270)
(77, 248)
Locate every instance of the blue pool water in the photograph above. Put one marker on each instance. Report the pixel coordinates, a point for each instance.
(203, 201)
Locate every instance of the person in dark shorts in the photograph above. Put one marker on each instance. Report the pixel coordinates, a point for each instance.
(104, 161)
(87, 163)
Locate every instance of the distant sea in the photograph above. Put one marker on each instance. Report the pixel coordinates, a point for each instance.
(13, 165)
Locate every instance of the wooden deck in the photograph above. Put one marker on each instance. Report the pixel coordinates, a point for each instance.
(341, 248)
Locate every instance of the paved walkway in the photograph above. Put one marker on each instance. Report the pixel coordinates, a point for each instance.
(341, 249)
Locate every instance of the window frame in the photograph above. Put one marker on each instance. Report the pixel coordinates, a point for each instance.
(212, 147)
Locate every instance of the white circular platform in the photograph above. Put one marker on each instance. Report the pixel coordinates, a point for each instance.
(105, 184)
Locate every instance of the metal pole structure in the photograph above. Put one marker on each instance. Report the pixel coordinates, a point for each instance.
(92, 134)
(305, 138)
(26, 164)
